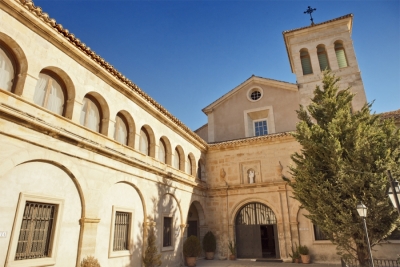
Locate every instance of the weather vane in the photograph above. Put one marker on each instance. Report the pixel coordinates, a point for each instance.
(309, 11)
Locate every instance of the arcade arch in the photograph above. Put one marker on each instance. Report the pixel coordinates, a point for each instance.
(256, 231)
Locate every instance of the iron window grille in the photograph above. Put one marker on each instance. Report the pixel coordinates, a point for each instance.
(319, 234)
(36, 231)
(121, 231)
(255, 214)
(167, 232)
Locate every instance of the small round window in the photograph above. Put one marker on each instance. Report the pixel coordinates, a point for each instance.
(255, 94)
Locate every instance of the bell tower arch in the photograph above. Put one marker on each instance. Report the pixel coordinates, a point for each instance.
(326, 45)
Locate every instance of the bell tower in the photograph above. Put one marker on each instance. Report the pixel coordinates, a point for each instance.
(326, 45)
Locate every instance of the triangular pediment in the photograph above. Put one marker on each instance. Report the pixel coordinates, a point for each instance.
(255, 80)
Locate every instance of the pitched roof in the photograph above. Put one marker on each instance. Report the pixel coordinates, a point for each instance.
(70, 38)
(395, 115)
(282, 84)
(325, 22)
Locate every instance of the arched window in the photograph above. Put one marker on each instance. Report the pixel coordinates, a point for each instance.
(7, 70)
(305, 62)
(322, 58)
(50, 93)
(91, 114)
(189, 165)
(121, 129)
(177, 159)
(162, 152)
(340, 54)
(144, 142)
(199, 169)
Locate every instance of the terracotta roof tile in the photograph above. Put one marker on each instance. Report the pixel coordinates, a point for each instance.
(395, 115)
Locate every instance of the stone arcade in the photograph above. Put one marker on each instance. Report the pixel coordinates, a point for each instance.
(89, 162)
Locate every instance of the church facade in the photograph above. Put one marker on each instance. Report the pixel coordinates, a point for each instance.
(89, 162)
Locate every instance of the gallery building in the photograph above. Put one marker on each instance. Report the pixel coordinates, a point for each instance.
(89, 162)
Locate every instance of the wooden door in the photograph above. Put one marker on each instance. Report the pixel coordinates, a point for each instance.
(248, 241)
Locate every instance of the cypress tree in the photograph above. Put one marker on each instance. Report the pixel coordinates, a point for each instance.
(152, 258)
(343, 161)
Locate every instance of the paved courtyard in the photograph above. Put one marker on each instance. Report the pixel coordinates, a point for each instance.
(249, 263)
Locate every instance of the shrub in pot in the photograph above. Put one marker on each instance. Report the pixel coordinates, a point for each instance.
(209, 245)
(295, 254)
(304, 253)
(232, 249)
(191, 250)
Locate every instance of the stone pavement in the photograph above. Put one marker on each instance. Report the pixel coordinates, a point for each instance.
(250, 263)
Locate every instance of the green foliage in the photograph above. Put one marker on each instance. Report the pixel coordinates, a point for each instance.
(90, 261)
(303, 250)
(152, 257)
(232, 247)
(343, 161)
(209, 242)
(295, 253)
(191, 247)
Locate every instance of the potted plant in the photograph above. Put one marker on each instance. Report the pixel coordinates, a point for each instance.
(295, 255)
(209, 245)
(191, 250)
(304, 253)
(232, 249)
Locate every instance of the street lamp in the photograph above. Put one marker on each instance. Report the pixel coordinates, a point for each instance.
(362, 211)
(394, 192)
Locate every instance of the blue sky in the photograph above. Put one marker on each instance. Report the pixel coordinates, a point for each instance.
(186, 54)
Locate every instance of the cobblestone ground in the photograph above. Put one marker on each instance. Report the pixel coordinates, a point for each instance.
(249, 263)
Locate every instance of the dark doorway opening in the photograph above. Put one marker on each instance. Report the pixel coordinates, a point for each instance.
(267, 241)
(192, 229)
(256, 232)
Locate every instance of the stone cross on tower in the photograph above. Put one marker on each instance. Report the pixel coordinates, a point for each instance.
(309, 11)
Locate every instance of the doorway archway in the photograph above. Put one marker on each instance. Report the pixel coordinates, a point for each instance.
(256, 232)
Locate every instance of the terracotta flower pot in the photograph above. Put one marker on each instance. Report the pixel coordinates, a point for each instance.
(305, 258)
(191, 261)
(232, 257)
(297, 260)
(209, 255)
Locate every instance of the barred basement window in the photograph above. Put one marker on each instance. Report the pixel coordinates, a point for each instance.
(167, 232)
(36, 231)
(121, 231)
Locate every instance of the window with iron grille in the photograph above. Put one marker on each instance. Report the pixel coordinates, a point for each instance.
(319, 234)
(121, 231)
(167, 232)
(35, 235)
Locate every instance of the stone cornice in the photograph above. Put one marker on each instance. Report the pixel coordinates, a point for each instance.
(34, 123)
(285, 136)
(74, 47)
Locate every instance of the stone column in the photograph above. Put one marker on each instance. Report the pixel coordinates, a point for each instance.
(285, 228)
(87, 238)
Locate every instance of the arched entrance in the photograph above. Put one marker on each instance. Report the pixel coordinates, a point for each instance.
(256, 232)
(195, 220)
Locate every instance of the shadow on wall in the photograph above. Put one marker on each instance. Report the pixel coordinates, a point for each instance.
(164, 205)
